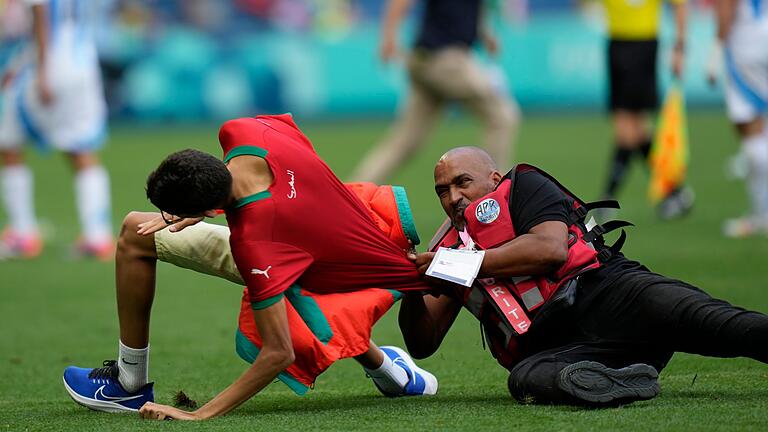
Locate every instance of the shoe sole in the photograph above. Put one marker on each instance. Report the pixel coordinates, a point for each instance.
(430, 381)
(594, 382)
(95, 404)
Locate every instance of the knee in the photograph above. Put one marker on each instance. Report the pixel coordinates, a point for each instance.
(533, 381)
(506, 116)
(133, 244)
(83, 161)
(516, 386)
(12, 157)
(521, 384)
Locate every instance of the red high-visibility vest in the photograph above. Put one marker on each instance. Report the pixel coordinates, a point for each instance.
(514, 302)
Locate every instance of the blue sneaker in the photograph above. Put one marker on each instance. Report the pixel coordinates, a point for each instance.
(99, 389)
(420, 382)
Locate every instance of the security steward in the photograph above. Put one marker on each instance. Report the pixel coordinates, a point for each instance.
(571, 318)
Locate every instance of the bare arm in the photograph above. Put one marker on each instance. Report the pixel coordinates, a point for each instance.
(40, 29)
(542, 250)
(424, 321)
(678, 55)
(725, 11)
(276, 355)
(487, 36)
(390, 24)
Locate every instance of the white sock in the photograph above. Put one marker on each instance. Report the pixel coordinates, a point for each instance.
(93, 204)
(17, 186)
(390, 377)
(133, 364)
(756, 149)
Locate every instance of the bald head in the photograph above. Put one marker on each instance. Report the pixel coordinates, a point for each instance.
(463, 175)
(468, 156)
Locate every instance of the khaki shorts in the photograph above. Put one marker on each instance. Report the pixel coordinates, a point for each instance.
(203, 248)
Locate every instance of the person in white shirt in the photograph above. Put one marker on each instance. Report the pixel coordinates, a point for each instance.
(742, 47)
(52, 94)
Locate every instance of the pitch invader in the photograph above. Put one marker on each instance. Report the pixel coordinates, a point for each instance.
(742, 46)
(52, 94)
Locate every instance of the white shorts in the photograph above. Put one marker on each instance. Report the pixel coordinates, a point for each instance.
(203, 247)
(11, 133)
(76, 119)
(746, 83)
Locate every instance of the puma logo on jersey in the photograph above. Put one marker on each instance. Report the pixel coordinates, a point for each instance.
(261, 272)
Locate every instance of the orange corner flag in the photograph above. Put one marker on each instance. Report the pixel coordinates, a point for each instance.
(669, 154)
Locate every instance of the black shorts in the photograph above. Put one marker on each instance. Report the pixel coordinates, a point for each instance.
(632, 75)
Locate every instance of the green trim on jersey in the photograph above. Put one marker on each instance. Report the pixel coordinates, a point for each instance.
(406, 217)
(248, 352)
(253, 198)
(310, 313)
(245, 151)
(396, 295)
(263, 304)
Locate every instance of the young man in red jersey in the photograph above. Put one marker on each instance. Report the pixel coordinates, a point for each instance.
(318, 270)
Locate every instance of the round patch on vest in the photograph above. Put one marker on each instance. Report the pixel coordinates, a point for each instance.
(487, 211)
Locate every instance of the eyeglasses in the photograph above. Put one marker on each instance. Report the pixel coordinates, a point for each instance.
(169, 218)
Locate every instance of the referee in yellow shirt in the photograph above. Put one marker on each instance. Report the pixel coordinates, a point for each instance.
(633, 28)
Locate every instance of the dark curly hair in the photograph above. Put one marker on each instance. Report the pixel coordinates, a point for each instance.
(189, 182)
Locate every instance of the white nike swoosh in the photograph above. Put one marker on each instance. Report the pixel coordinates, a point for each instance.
(100, 391)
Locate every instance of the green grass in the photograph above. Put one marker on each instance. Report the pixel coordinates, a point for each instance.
(55, 312)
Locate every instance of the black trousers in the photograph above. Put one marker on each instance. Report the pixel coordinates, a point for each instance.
(639, 317)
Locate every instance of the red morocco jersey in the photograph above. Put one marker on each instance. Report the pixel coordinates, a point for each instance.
(308, 228)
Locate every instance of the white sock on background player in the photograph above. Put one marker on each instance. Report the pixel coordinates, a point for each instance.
(756, 150)
(133, 364)
(18, 199)
(93, 204)
(390, 377)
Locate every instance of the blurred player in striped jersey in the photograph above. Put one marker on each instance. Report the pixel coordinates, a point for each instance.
(742, 41)
(52, 94)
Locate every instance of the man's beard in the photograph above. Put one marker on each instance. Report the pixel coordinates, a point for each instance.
(457, 218)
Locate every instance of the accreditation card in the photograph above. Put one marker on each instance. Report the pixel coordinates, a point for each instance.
(456, 265)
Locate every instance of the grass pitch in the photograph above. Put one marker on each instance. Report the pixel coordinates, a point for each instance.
(56, 312)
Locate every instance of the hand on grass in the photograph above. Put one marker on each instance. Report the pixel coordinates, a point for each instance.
(153, 411)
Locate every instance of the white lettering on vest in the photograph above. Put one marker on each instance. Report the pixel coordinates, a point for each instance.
(510, 309)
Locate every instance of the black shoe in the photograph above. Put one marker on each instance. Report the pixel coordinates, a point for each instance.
(597, 384)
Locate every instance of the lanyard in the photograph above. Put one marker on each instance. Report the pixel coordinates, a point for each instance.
(466, 239)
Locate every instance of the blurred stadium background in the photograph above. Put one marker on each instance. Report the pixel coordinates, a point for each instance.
(174, 69)
(199, 59)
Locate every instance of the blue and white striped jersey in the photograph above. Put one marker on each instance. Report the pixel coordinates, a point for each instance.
(752, 12)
